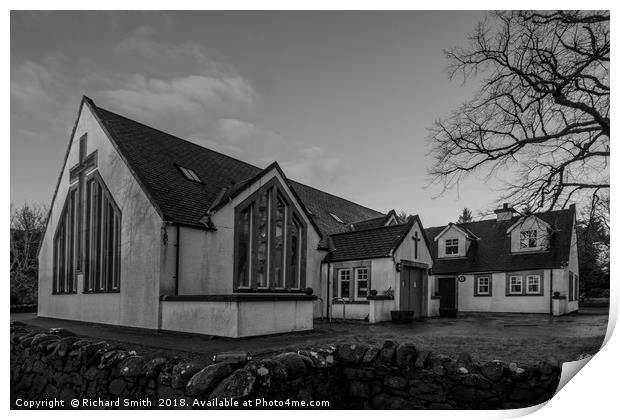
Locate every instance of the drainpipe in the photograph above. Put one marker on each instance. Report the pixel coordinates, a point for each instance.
(550, 291)
(329, 287)
(176, 274)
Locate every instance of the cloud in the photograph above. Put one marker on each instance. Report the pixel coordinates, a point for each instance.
(314, 167)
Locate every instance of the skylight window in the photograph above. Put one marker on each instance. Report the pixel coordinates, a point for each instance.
(190, 174)
(336, 218)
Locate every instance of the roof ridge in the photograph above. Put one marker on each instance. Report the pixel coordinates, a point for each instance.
(494, 220)
(370, 228)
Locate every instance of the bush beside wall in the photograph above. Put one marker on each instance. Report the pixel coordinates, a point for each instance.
(57, 364)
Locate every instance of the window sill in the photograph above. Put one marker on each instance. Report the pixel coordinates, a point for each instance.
(523, 294)
(264, 290)
(476, 295)
(99, 292)
(351, 302)
(237, 298)
(63, 293)
(380, 297)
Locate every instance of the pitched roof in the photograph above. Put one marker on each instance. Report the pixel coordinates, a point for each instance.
(368, 243)
(492, 251)
(154, 157)
(374, 222)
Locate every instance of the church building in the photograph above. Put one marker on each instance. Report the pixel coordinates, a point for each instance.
(151, 231)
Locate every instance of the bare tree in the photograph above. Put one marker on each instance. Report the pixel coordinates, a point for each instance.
(27, 226)
(541, 116)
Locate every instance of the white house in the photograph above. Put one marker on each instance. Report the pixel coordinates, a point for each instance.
(515, 263)
(148, 230)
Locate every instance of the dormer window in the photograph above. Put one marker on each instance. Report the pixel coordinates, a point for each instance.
(529, 239)
(189, 174)
(452, 246)
(336, 218)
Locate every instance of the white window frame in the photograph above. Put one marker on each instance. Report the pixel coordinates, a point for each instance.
(340, 280)
(358, 271)
(527, 284)
(453, 242)
(488, 292)
(529, 234)
(510, 284)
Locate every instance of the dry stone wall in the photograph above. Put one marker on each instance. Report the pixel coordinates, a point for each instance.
(58, 366)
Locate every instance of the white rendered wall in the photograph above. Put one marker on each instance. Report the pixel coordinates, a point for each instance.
(137, 303)
(499, 302)
(351, 311)
(237, 319)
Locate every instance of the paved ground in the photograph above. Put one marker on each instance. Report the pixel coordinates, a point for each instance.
(521, 338)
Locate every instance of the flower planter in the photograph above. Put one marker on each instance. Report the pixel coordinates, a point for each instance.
(402, 317)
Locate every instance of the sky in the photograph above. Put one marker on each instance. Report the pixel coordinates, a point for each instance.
(341, 100)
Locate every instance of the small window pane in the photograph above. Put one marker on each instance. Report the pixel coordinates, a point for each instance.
(452, 246)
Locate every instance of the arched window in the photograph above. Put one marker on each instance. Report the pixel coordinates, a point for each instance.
(102, 242)
(101, 236)
(269, 242)
(65, 249)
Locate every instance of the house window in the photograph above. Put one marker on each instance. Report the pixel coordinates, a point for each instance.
(102, 242)
(533, 285)
(344, 283)
(452, 246)
(516, 285)
(361, 283)
(484, 286)
(529, 239)
(64, 249)
(269, 242)
(189, 174)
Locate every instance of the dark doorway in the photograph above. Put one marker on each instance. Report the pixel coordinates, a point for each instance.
(411, 289)
(447, 290)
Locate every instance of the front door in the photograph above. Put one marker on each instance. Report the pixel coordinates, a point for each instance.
(447, 290)
(411, 292)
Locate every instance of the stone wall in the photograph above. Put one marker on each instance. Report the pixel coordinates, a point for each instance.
(57, 364)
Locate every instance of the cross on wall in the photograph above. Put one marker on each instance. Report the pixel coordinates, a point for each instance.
(416, 239)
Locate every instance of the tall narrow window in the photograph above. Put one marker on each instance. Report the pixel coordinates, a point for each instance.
(262, 239)
(269, 241)
(293, 279)
(278, 245)
(65, 249)
(344, 281)
(361, 283)
(243, 248)
(102, 239)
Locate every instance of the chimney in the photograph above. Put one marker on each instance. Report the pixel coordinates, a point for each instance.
(505, 213)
